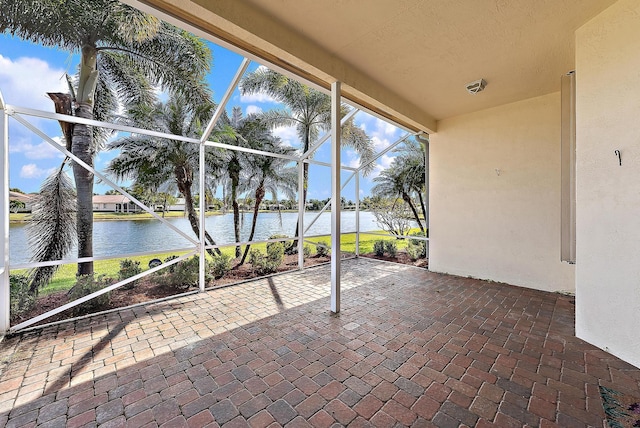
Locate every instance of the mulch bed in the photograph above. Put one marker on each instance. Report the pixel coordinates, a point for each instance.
(147, 289)
(401, 258)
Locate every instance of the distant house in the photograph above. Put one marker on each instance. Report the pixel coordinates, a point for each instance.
(114, 204)
(27, 200)
(178, 206)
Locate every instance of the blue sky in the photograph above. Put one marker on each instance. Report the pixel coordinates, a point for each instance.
(28, 71)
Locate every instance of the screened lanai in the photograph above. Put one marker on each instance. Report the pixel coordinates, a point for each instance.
(199, 246)
(505, 328)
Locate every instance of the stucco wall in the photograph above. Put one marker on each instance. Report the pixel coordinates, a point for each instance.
(500, 225)
(608, 195)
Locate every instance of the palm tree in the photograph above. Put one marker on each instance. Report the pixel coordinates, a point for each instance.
(306, 109)
(411, 160)
(124, 53)
(392, 183)
(266, 173)
(153, 162)
(234, 170)
(16, 205)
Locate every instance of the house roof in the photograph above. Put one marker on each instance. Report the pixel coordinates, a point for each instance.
(110, 199)
(17, 196)
(409, 58)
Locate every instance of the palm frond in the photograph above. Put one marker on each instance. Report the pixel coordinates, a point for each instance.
(173, 59)
(52, 229)
(355, 138)
(45, 22)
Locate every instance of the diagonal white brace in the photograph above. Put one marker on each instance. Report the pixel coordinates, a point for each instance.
(100, 175)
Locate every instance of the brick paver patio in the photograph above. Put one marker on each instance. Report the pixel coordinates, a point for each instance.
(410, 348)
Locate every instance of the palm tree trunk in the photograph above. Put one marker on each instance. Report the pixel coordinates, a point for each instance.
(82, 148)
(305, 180)
(184, 186)
(234, 173)
(422, 205)
(256, 208)
(407, 199)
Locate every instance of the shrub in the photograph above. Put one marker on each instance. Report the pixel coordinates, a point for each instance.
(264, 264)
(220, 265)
(168, 259)
(391, 248)
(129, 268)
(21, 300)
(306, 251)
(378, 248)
(322, 250)
(416, 249)
(290, 247)
(185, 274)
(392, 217)
(85, 285)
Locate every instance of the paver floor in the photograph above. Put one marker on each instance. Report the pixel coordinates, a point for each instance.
(410, 348)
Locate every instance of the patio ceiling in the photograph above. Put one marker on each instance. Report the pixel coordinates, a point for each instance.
(408, 59)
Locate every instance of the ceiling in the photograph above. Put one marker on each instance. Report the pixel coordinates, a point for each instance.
(410, 54)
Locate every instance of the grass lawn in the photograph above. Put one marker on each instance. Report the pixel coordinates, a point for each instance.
(65, 278)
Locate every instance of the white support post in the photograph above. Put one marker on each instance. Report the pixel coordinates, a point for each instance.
(5, 305)
(425, 142)
(203, 211)
(335, 197)
(426, 194)
(426, 184)
(301, 208)
(357, 213)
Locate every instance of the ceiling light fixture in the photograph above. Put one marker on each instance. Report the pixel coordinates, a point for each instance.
(476, 86)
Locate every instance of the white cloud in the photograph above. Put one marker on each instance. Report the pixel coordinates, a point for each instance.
(25, 82)
(386, 161)
(352, 158)
(383, 163)
(382, 134)
(253, 109)
(382, 127)
(389, 129)
(288, 134)
(44, 150)
(257, 97)
(379, 144)
(31, 170)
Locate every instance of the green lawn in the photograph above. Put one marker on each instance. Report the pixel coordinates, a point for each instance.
(65, 277)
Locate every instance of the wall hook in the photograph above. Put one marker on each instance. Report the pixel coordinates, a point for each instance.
(617, 152)
(498, 171)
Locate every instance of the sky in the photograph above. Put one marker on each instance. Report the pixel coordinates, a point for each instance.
(28, 71)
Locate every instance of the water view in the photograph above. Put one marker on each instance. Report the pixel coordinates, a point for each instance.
(133, 236)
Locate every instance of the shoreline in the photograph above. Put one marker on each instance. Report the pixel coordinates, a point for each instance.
(20, 218)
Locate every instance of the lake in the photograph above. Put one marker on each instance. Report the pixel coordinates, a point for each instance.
(133, 236)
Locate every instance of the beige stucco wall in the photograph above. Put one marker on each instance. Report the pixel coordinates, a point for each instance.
(500, 226)
(608, 195)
